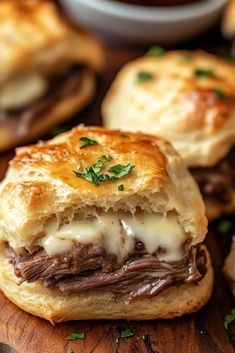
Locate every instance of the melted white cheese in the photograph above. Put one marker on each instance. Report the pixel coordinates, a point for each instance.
(54, 245)
(155, 231)
(22, 89)
(116, 241)
(117, 233)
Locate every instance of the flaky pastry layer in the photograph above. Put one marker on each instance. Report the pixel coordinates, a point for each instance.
(40, 184)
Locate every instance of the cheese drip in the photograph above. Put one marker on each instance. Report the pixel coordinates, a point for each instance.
(22, 89)
(118, 233)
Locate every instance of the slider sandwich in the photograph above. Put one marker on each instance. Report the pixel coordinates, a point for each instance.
(47, 70)
(189, 99)
(101, 224)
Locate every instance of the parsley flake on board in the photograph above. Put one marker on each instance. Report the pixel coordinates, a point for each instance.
(87, 142)
(80, 335)
(220, 93)
(121, 187)
(224, 226)
(126, 333)
(156, 51)
(70, 350)
(143, 76)
(229, 318)
(91, 173)
(200, 72)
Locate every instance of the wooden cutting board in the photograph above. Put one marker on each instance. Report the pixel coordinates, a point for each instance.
(199, 333)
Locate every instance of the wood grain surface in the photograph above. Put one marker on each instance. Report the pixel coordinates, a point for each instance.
(199, 333)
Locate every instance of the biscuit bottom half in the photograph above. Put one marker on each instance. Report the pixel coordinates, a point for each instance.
(54, 306)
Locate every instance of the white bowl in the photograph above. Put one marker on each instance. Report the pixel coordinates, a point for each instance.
(140, 24)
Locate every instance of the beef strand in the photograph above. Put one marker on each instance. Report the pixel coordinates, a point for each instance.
(89, 267)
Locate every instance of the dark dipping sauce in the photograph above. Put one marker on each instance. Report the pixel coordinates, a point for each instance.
(157, 3)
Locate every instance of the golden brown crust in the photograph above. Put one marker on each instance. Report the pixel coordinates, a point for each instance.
(228, 23)
(196, 113)
(55, 307)
(59, 112)
(41, 180)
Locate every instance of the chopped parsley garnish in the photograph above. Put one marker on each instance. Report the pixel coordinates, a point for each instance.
(199, 72)
(91, 173)
(120, 170)
(143, 76)
(229, 318)
(80, 335)
(58, 131)
(121, 187)
(87, 142)
(127, 333)
(156, 51)
(220, 93)
(224, 226)
(100, 163)
(70, 350)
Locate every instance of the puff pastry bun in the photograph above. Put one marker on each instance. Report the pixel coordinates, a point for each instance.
(185, 97)
(44, 205)
(47, 70)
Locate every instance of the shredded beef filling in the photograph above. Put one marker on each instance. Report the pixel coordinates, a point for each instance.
(88, 267)
(218, 182)
(59, 87)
